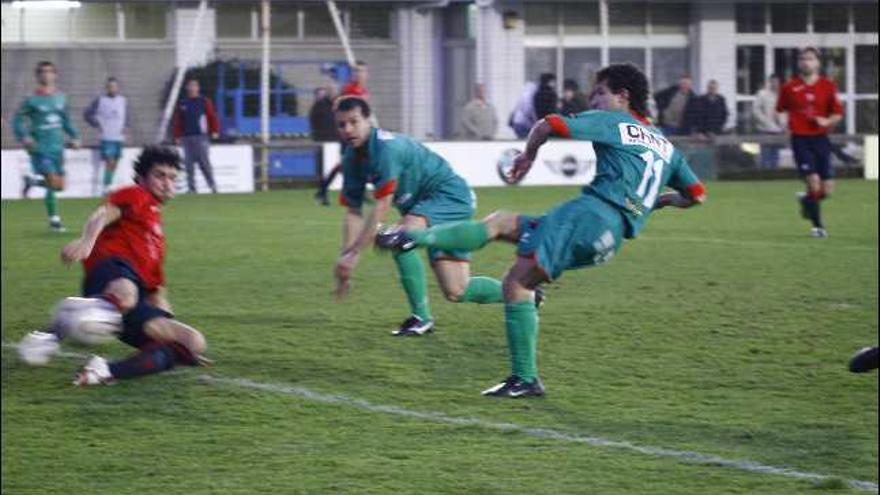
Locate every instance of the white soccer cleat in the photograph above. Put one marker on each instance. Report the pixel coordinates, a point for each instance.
(818, 233)
(37, 348)
(95, 372)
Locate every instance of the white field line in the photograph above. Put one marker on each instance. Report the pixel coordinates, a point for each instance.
(543, 433)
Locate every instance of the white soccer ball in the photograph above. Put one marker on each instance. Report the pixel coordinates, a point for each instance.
(87, 320)
(37, 348)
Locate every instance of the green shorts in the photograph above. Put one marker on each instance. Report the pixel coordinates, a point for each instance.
(581, 232)
(454, 202)
(48, 163)
(111, 150)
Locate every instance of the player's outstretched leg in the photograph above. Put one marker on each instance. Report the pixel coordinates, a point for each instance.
(521, 325)
(468, 235)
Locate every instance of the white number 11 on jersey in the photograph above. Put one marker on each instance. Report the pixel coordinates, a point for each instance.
(650, 185)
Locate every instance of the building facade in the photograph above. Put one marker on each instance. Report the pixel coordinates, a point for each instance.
(424, 57)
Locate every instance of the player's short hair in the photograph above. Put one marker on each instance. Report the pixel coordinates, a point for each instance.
(360, 63)
(811, 49)
(44, 63)
(348, 103)
(112, 79)
(627, 76)
(153, 155)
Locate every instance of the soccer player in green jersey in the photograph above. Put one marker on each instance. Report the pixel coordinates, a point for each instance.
(39, 125)
(634, 162)
(426, 192)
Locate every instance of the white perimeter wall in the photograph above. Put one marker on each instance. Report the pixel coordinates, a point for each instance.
(233, 171)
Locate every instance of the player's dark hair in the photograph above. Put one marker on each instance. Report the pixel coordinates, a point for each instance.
(348, 103)
(43, 63)
(153, 155)
(112, 79)
(813, 50)
(360, 63)
(627, 76)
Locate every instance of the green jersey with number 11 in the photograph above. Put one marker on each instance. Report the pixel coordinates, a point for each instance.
(634, 162)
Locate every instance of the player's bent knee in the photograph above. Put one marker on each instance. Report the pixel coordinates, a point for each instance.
(169, 330)
(123, 292)
(501, 223)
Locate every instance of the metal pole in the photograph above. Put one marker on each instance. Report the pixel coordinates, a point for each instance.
(340, 31)
(264, 96)
(181, 71)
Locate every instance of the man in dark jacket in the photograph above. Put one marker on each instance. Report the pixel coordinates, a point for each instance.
(321, 117)
(672, 106)
(573, 101)
(710, 114)
(195, 124)
(546, 99)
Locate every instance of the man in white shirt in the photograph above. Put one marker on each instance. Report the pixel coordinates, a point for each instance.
(108, 114)
(768, 121)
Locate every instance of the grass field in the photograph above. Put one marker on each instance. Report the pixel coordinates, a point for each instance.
(723, 330)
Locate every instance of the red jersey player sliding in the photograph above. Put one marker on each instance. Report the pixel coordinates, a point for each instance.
(122, 249)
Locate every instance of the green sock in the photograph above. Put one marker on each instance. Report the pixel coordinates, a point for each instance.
(51, 203)
(469, 235)
(108, 177)
(412, 277)
(483, 290)
(521, 322)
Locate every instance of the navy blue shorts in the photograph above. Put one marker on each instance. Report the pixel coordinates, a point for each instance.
(812, 155)
(133, 322)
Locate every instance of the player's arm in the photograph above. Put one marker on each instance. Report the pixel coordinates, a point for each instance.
(688, 190)
(835, 112)
(80, 248)
(352, 251)
(538, 135)
(68, 127)
(90, 114)
(20, 125)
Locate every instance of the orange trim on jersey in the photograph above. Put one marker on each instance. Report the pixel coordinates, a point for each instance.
(386, 190)
(697, 191)
(641, 118)
(558, 125)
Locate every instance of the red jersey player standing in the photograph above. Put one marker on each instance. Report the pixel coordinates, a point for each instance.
(357, 86)
(813, 109)
(122, 249)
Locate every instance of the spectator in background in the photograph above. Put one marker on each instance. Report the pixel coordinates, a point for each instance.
(672, 105)
(478, 118)
(573, 101)
(546, 101)
(108, 113)
(523, 116)
(709, 112)
(195, 124)
(321, 116)
(357, 85)
(767, 121)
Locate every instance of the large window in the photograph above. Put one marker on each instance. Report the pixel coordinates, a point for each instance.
(627, 17)
(635, 56)
(865, 17)
(866, 116)
(788, 17)
(581, 65)
(866, 69)
(749, 69)
(670, 18)
(668, 65)
(145, 20)
(95, 20)
(555, 18)
(830, 17)
(303, 20)
(751, 18)
(539, 61)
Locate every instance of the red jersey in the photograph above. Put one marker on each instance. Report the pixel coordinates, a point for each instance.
(136, 237)
(355, 89)
(804, 102)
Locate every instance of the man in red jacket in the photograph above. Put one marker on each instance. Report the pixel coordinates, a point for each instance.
(122, 249)
(810, 100)
(195, 123)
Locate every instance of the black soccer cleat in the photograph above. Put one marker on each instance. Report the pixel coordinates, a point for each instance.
(414, 326)
(322, 199)
(514, 387)
(864, 360)
(395, 239)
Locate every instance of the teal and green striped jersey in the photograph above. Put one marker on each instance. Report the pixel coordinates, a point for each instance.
(44, 118)
(634, 162)
(393, 164)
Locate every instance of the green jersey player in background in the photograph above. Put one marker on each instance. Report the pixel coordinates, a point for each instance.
(426, 192)
(634, 164)
(40, 124)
